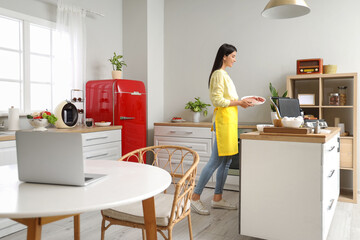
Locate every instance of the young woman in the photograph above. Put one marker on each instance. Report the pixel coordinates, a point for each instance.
(224, 97)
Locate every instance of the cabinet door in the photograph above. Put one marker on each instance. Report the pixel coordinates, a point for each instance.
(346, 153)
(107, 151)
(8, 152)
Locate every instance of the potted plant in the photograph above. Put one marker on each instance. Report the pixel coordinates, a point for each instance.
(117, 64)
(274, 93)
(197, 107)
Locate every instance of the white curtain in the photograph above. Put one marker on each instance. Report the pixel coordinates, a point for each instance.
(70, 50)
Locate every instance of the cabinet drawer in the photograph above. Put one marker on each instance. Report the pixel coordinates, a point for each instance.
(346, 152)
(201, 145)
(109, 151)
(186, 132)
(330, 154)
(94, 138)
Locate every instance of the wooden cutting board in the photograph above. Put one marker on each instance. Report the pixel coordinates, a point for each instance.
(286, 130)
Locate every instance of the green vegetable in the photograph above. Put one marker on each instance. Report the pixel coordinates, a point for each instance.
(51, 118)
(29, 117)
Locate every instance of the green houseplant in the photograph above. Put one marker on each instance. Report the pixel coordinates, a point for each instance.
(197, 107)
(274, 93)
(117, 64)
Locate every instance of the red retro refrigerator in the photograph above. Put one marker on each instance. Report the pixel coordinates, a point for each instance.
(121, 102)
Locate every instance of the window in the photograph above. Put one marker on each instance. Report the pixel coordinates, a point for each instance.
(26, 62)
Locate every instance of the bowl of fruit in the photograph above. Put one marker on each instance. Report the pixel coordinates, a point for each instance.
(40, 120)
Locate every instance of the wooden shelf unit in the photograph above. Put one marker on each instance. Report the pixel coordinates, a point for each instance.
(322, 85)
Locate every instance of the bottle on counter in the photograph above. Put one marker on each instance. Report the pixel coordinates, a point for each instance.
(317, 127)
(342, 95)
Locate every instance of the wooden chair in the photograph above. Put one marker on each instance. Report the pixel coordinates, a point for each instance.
(181, 163)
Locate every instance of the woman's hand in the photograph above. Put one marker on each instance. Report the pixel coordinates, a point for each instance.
(241, 103)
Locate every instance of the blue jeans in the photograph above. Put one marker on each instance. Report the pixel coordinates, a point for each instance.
(215, 162)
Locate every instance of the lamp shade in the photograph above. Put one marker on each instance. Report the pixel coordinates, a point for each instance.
(279, 9)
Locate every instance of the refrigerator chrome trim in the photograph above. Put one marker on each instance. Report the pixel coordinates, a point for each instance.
(113, 91)
(133, 93)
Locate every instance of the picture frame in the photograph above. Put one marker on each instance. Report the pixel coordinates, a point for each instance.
(306, 99)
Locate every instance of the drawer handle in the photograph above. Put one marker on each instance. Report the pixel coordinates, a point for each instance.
(181, 132)
(331, 173)
(331, 204)
(332, 148)
(90, 139)
(99, 155)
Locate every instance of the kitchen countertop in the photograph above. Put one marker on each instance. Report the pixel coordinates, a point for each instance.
(10, 135)
(287, 137)
(201, 124)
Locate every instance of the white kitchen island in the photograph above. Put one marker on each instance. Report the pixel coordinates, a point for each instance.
(289, 185)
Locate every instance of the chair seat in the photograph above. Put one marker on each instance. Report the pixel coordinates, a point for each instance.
(134, 212)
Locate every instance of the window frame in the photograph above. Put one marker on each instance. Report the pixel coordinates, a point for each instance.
(27, 20)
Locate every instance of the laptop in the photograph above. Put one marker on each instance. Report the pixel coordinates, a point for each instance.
(52, 158)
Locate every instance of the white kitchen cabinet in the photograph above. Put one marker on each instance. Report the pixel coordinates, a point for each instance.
(289, 189)
(7, 152)
(196, 138)
(102, 145)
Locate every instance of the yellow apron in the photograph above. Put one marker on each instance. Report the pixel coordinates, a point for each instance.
(226, 124)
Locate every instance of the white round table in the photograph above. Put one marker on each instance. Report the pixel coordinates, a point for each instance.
(125, 183)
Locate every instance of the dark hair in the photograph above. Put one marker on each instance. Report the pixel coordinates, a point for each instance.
(224, 50)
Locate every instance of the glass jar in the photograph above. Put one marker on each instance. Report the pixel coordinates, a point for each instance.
(342, 95)
(334, 99)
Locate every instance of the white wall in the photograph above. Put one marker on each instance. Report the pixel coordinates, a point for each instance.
(267, 49)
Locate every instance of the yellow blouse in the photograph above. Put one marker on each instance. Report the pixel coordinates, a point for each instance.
(222, 89)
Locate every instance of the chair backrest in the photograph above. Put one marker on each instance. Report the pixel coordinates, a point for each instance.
(181, 163)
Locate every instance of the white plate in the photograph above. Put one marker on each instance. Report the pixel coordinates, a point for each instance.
(253, 101)
(177, 120)
(102, 124)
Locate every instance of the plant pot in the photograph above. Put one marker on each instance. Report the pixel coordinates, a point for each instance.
(273, 116)
(116, 74)
(196, 116)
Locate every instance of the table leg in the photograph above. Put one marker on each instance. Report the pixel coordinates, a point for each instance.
(149, 218)
(77, 227)
(34, 229)
(35, 225)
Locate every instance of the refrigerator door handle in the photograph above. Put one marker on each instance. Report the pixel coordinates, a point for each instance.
(126, 118)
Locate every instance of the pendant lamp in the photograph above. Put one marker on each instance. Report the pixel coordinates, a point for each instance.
(279, 9)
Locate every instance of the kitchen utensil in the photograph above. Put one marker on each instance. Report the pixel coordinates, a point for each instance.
(276, 109)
